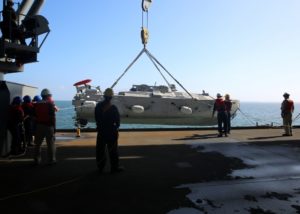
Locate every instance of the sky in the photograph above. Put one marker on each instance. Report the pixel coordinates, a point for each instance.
(247, 48)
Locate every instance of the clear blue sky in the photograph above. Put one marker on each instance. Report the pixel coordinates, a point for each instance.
(247, 48)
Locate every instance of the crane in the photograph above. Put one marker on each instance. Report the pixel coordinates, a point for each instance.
(18, 27)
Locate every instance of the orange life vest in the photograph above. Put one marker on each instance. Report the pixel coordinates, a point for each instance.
(220, 105)
(44, 113)
(289, 106)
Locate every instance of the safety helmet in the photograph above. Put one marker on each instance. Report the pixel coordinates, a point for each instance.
(219, 95)
(45, 92)
(17, 100)
(108, 92)
(286, 94)
(36, 98)
(27, 99)
(10, 2)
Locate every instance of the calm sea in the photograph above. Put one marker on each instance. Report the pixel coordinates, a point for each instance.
(250, 114)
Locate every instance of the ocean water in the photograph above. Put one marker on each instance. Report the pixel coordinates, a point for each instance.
(250, 114)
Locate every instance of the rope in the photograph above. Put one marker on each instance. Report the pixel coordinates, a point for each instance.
(41, 189)
(246, 117)
(254, 120)
(297, 117)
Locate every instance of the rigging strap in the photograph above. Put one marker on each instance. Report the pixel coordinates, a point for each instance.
(138, 56)
(148, 54)
(151, 56)
(155, 63)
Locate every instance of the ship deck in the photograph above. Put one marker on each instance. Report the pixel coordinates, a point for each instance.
(176, 172)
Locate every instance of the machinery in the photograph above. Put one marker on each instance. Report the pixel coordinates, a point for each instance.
(23, 32)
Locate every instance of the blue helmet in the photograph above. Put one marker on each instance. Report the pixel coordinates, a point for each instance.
(36, 98)
(27, 99)
(17, 100)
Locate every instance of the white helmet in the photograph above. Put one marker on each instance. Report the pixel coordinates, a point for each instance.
(45, 92)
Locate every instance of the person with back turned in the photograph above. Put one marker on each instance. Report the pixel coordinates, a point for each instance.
(44, 113)
(9, 26)
(287, 109)
(220, 107)
(27, 107)
(228, 105)
(107, 118)
(15, 126)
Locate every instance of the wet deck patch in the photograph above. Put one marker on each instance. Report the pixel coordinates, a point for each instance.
(279, 196)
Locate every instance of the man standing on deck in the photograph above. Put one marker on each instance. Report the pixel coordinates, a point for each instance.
(107, 118)
(287, 109)
(220, 107)
(228, 105)
(9, 26)
(44, 113)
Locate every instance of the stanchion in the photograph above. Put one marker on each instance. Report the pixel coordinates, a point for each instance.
(78, 132)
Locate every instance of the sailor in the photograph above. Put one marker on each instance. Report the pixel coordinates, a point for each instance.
(220, 107)
(44, 112)
(15, 126)
(228, 105)
(107, 118)
(287, 109)
(27, 107)
(36, 99)
(9, 26)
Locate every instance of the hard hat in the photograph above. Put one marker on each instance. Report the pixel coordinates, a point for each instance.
(10, 2)
(219, 95)
(17, 100)
(108, 92)
(286, 94)
(27, 99)
(36, 98)
(45, 92)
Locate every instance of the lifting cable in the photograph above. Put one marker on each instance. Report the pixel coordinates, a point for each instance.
(144, 34)
(151, 56)
(148, 54)
(138, 56)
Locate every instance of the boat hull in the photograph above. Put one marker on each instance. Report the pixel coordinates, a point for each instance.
(156, 110)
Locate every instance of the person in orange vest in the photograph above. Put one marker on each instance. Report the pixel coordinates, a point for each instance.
(27, 107)
(228, 105)
(15, 126)
(44, 112)
(220, 107)
(287, 109)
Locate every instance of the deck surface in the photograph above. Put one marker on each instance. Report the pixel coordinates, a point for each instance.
(174, 172)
